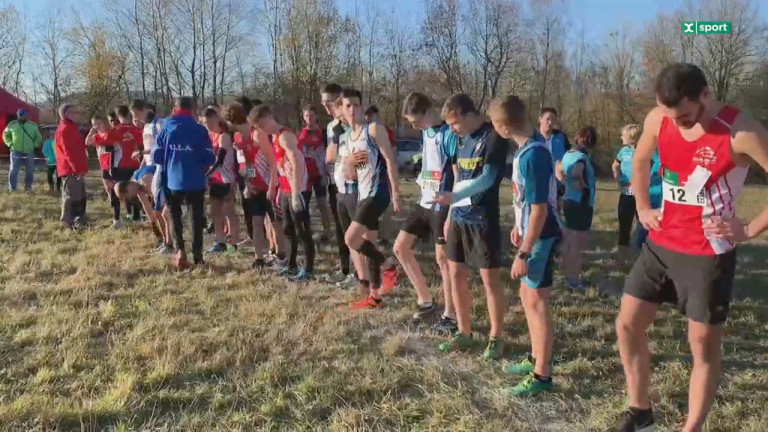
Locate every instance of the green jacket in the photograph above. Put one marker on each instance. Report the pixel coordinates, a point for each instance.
(22, 137)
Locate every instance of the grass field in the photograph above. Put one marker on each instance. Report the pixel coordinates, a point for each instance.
(97, 334)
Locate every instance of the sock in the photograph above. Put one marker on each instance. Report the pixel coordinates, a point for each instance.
(366, 284)
(371, 251)
(542, 378)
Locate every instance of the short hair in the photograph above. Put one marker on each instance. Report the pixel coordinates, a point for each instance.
(184, 102)
(510, 110)
(416, 104)
(123, 111)
(338, 102)
(151, 107)
(679, 81)
(98, 117)
(459, 104)
(633, 130)
(138, 104)
(309, 107)
(587, 137)
(331, 88)
(259, 113)
(210, 111)
(550, 110)
(348, 93)
(371, 110)
(235, 113)
(112, 115)
(63, 109)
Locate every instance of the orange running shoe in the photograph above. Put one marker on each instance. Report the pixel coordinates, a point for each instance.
(388, 280)
(367, 303)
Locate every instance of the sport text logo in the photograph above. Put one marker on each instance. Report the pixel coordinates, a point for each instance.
(706, 27)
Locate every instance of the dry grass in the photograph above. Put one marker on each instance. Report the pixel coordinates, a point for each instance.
(96, 334)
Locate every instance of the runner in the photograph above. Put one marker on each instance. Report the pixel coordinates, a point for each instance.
(705, 149)
(555, 139)
(330, 95)
(150, 177)
(656, 196)
(312, 144)
(622, 174)
(97, 138)
(372, 115)
(127, 141)
(473, 228)
(131, 190)
(256, 160)
(376, 173)
(139, 113)
(295, 193)
(536, 234)
(221, 188)
(576, 172)
(113, 120)
(428, 218)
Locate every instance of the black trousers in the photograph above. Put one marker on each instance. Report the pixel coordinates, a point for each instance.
(51, 174)
(627, 212)
(196, 201)
(340, 231)
(132, 206)
(245, 203)
(298, 227)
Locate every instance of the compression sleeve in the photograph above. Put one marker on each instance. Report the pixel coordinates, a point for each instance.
(477, 185)
(220, 155)
(450, 144)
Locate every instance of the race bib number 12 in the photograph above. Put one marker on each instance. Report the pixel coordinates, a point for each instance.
(679, 195)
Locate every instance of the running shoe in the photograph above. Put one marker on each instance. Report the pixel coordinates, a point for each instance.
(531, 385)
(287, 272)
(335, 277)
(446, 325)
(422, 311)
(349, 282)
(367, 303)
(577, 284)
(117, 224)
(458, 343)
(301, 276)
(523, 367)
(258, 264)
(245, 243)
(217, 248)
(231, 250)
(495, 349)
(388, 280)
(636, 421)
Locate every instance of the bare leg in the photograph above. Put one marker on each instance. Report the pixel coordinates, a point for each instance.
(259, 240)
(497, 302)
(462, 297)
(540, 325)
(442, 262)
(632, 324)
(230, 214)
(404, 252)
(705, 340)
(218, 220)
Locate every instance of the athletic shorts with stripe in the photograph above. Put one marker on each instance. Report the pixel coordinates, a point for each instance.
(423, 222)
(370, 210)
(700, 286)
(541, 263)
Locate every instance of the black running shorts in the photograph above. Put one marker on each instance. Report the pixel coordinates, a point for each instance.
(478, 244)
(700, 286)
(219, 191)
(370, 210)
(423, 222)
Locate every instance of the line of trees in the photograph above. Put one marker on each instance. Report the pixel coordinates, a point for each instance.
(283, 50)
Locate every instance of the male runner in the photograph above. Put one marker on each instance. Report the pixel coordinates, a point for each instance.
(376, 173)
(312, 144)
(705, 149)
(150, 176)
(221, 184)
(439, 151)
(473, 228)
(372, 115)
(97, 138)
(536, 233)
(259, 172)
(295, 193)
(126, 140)
(131, 190)
(139, 111)
(555, 140)
(330, 96)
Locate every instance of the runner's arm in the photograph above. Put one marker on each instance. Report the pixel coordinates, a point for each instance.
(225, 145)
(538, 171)
(751, 139)
(147, 206)
(379, 134)
(291, 146)
(495, 163)
(450, 169)
(641, 161)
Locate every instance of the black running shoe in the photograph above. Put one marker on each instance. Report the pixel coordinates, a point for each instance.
(446, 325)
(422, 311)
(636, 421)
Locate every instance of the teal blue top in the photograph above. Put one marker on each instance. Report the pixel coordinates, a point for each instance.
(570, 160)
(48, 152)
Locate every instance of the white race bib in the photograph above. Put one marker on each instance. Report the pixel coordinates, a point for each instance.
(240, 157)
(466, 201)
(680, 195)
(627, 190)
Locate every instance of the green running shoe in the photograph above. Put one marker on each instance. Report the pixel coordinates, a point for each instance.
(520, 368)
(495, 349)
(531, 386)
(459, 342)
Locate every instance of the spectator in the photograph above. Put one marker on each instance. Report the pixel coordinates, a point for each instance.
(50, 157)
(22, 137)
(372, 115)
(184, 153)
(72, 165)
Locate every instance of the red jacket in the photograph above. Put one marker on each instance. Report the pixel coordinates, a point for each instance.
(71, 154)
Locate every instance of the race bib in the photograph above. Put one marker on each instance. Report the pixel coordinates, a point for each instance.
(250, 172)
(627, 190)
(680, 195)
(240, 157)
(430, 180)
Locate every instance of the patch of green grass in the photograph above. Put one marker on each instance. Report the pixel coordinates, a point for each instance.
(97, 334)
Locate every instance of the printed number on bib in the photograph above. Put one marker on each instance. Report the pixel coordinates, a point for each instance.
(250, 172)
(431, 180)
(240, 157)
(627, 191)
(679, 195)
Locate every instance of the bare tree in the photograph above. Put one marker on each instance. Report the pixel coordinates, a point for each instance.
(54, 76)
(547, 23)
(441, 41)
(398, 59)
(12, 41)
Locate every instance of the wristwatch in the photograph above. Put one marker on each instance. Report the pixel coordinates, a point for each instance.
(523, 255)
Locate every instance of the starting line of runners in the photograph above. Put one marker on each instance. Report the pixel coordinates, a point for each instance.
(680, 180)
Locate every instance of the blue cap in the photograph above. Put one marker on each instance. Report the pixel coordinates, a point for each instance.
(21, 113)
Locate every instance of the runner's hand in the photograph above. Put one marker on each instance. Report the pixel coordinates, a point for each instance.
(731, 229)
(360, 157)
(650, 219)
(519, 268)
(514, 236)
(443, 198)
(272, 195)
(396, 204)
(136, 155)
